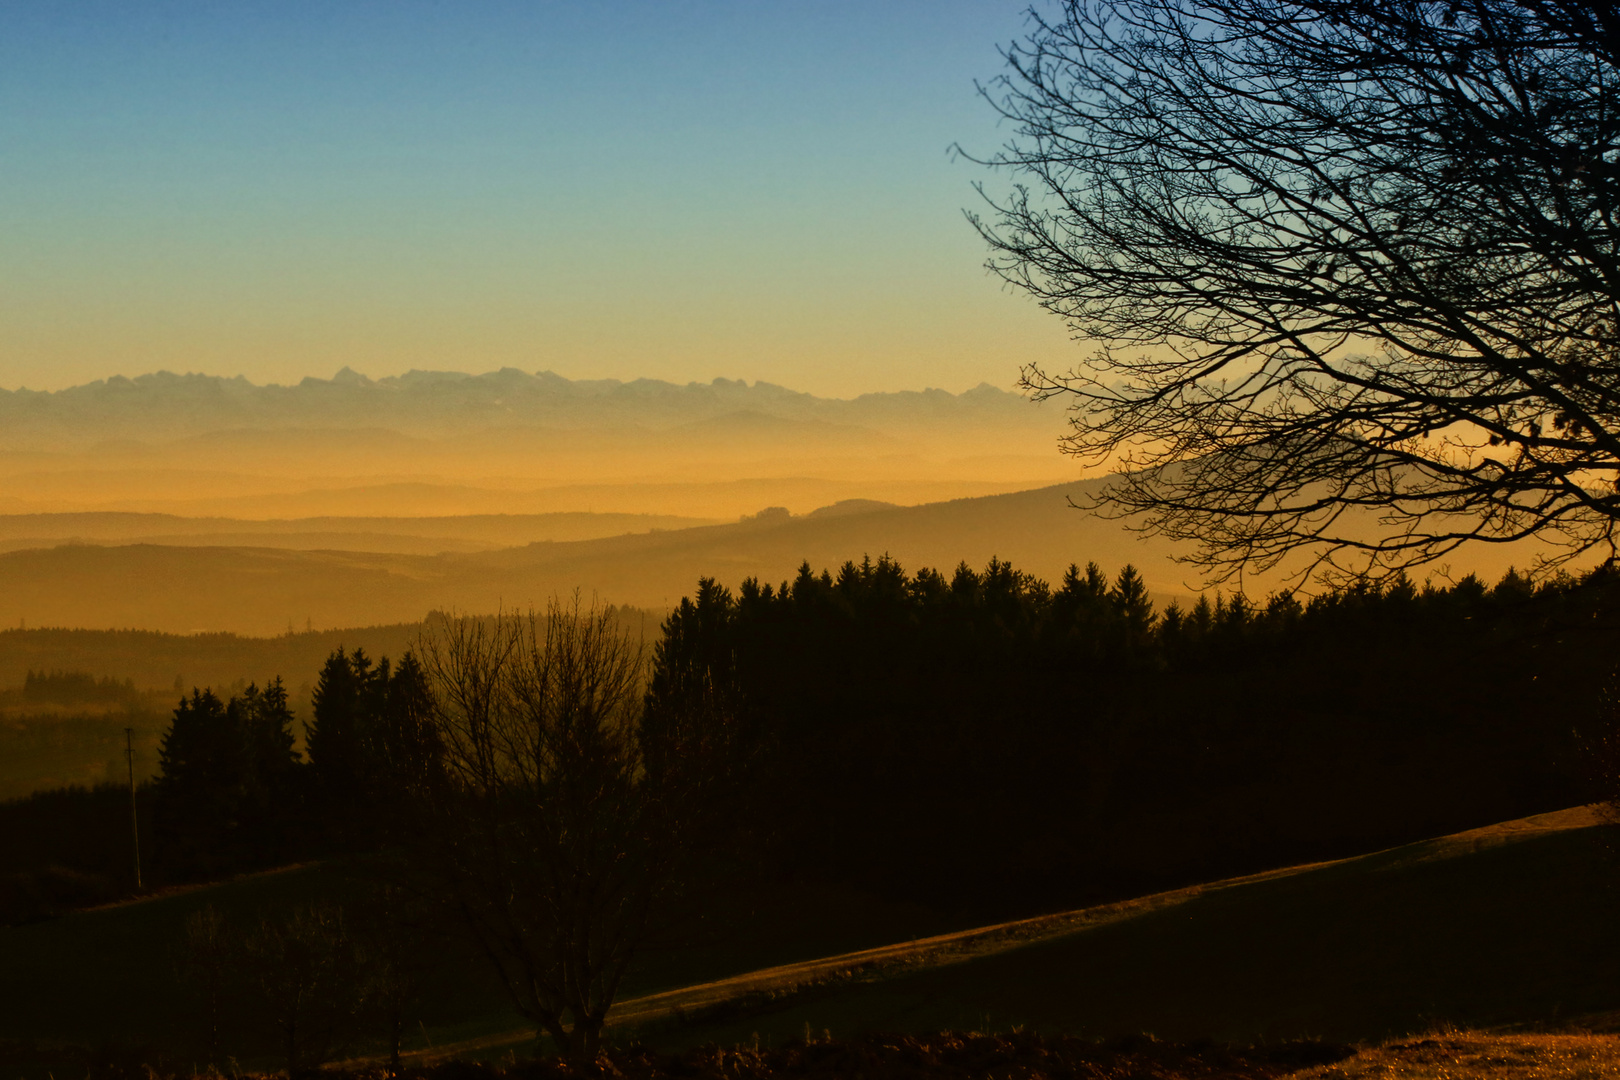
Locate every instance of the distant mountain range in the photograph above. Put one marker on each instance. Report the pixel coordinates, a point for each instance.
(433, 444)
(438, 404)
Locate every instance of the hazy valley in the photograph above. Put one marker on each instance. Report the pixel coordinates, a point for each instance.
(192, 504)
(439, 444)
(171, 534)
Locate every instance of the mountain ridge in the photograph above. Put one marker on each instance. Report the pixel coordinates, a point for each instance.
(422, 402)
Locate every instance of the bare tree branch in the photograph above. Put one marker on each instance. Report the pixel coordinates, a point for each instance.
(1350, 268)
(547, 837)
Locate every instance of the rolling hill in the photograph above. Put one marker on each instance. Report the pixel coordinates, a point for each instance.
(1507, 924)
(269, 590)
(388, 535)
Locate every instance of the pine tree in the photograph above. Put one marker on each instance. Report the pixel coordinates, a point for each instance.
(336, 739)
(270, 781)
(201, 762)
(404, 750)
(1132, 608)
(228, 783)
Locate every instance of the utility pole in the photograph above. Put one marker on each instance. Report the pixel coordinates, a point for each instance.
(134, 825)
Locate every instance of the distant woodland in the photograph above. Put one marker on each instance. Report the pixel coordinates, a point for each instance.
(979, 741)
(192, 504)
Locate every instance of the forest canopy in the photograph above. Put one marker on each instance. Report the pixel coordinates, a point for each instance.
(977, 740)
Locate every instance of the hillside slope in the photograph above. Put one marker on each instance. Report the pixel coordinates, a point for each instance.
(389, 535)
(177, 588)
(1507, 924)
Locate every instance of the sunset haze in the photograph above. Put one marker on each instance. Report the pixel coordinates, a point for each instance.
(676, 191)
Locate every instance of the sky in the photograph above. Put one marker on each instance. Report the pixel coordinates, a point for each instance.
(680, 189)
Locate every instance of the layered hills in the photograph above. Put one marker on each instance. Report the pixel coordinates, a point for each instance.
(433, 444)
(269, 589)
(194, 503)
(392, 535)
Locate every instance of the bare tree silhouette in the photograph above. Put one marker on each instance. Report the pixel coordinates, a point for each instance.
(548, 835)
(1350, 266)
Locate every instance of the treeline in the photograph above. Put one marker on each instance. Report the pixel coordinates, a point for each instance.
(978, 741)
(68, 848)
(232, 795)
(984, 740)
(75, 687)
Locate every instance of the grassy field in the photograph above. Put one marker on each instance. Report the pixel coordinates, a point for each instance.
(42, 749)
(109, 977)
(1507, 925)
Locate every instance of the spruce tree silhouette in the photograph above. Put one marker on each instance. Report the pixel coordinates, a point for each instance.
(228, 783)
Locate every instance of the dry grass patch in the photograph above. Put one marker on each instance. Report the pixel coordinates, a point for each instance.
(1466, 1055)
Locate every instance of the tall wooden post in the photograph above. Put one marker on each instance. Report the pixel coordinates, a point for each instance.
(134, 825)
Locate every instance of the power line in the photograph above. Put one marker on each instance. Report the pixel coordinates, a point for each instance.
(134, 826)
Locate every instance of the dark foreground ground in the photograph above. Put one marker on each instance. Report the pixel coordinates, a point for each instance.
(1491, 929)
(944, 1055)
(1449, 1055)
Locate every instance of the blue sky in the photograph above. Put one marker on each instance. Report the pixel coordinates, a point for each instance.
(679, 190)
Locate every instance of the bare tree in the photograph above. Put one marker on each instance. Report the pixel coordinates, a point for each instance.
(1597, 735)
(310, 979)
(208, 953)
(1350, 267)
(391, 921)
(548, 836)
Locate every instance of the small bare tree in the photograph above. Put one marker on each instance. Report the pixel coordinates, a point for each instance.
(208, 951)
(390, 922)
(1598, 737)
(546, 833)
(310, 977)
